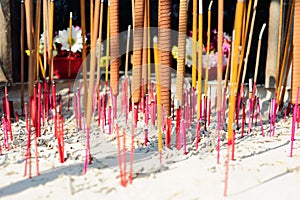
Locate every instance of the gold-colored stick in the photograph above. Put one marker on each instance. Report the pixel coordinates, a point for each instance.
(279, 42)
(92, 65)
(158, 93)
(207, 48)
(233, 80)
(194, 58)
(100, 44)
(46, 28)
(37, 37)
(50, 51)
(70, 46)
(286, 48)
(245, 36)
(84, 66)
(249, 42)
(200, 46)
(22, 54)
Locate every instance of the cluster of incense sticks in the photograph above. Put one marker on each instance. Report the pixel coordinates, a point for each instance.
(140, 94)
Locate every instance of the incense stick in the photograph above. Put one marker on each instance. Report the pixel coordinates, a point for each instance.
(50, 50)
(99, 45)
(84, 66)
(22, 32)
(194, 58)
(37, 38)
(158, 94)
(220, 67)
(69, 66)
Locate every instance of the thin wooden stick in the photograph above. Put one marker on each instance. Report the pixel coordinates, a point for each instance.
(249, 41)
(37, 37)
(200, 46)
(158, 94)
(50, 50)
(258, 54)
(29, 23)
(92, 67)
(194, 58)
(207, 48)
(279, 42)
(22, 32)
(287, 42)
(84, 66)
(233, 80)
(69, 66)
(45, 28)
(100, 44)
(220, 69)
(127, 50)
(245, 36)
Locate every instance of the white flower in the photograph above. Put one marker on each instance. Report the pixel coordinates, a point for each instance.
(63, 39)
(42, 45)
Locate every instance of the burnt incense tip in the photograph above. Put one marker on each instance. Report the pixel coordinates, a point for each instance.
(22, 1)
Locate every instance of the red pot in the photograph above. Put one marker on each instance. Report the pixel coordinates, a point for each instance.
(61, 65)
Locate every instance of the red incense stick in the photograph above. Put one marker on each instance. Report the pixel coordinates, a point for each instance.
(131, 152)
(124, 158)
(294, 122)
(7, 109)
(146, 119)
(178, 117)
(119, 153)
(39, 110)
(28, 149)
(168, 132)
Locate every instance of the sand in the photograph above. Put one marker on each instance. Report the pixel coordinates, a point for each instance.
(262, 168)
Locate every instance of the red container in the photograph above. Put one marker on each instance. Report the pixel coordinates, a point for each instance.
(61, 65)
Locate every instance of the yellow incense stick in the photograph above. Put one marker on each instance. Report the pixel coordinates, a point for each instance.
(245, 34)
(100, 44)
(92, 66)
(45, 27)
(200, 46)
(279, 42)
(84, 66)
(194, 59)
(37, 37)
(233, 80)
(207, 48)
(51, 40)
(287, 41)
(70, 44)
(107, 43)
(22, 33)
(158, 93)
(249, 41)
